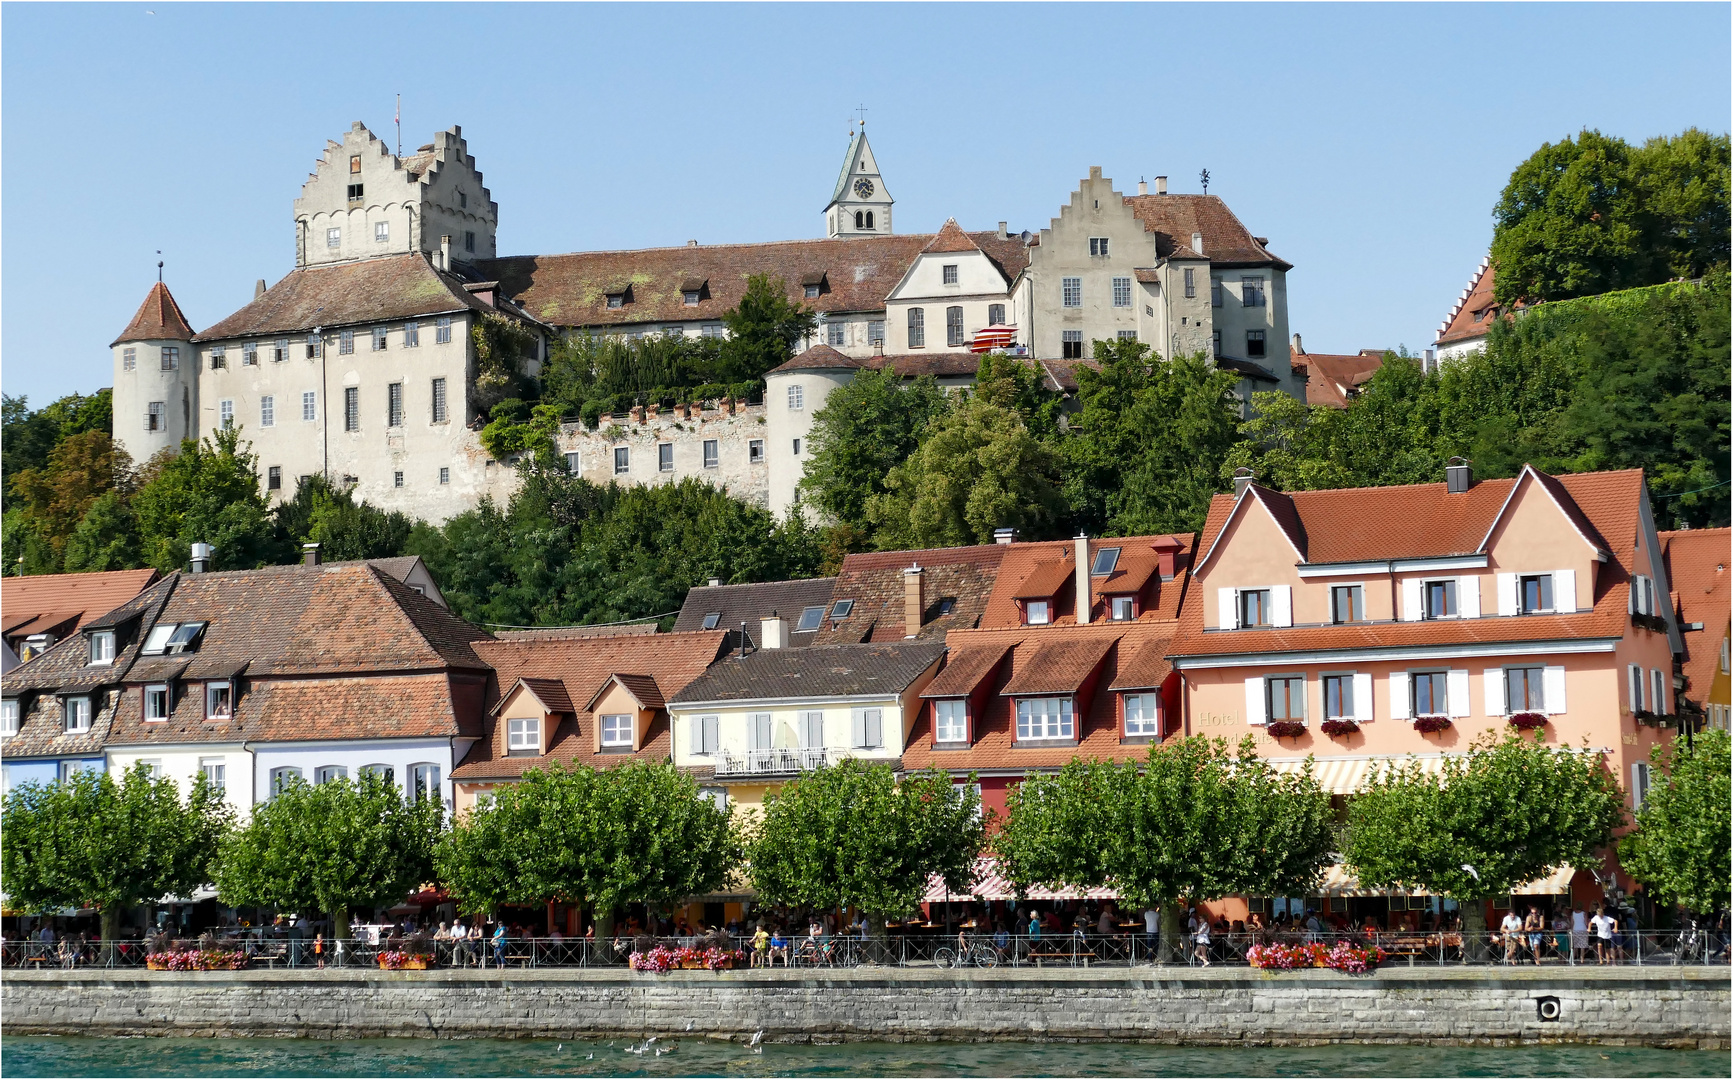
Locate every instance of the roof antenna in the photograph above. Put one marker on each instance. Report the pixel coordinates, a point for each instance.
(1204, 177)
(398, 118)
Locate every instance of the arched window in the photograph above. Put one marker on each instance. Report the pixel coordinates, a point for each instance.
(869, 223)
(384, 772)
(917, 328)
(859, 219)
(282, 778)
(424, 782)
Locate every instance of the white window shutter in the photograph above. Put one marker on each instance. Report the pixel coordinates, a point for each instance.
(710, 724)
(875, 728)
(1631, 598)
(1564, 590)
(1555, 686)
(1456, 689)
(1507, 596)
(1281, 605)
(1634, 685)
(1411, 608)
(1227, 614)
(1658, 686)
(1255, 713)
(1495, 699)
(859, 718)
(1363, 696)
(1399, 695)
(1468, 596)
(697, 723)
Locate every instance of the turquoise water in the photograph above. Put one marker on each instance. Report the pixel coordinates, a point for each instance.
(33, 1056)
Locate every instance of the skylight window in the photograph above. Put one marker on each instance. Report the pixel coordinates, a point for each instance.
(810, 618)
(158, 639)
(185, 636)
(1106, 559)
(711, 619)
(841, 609)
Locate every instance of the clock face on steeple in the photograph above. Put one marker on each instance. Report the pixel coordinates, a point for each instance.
(864, 188)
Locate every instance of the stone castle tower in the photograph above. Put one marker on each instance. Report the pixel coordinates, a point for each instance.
(861, 205)
(156, 378)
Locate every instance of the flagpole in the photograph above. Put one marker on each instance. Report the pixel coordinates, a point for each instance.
(399, 121)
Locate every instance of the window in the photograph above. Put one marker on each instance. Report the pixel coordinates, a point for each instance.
(156, 702)
(381, 232)
(157, 640)
(1339, 697)
(219, 359)
(250, 354)
(171, 357)
(216, 773)
(462, 200)
(617, 730)
(155, 417)
(439, 412)
(810, 617)
(755, 452)
(868, 729)
(1071, 344)
(1635, 687)
(355, 165)
(1254, 344)
(573, 462)
(1726, 654)
(836, 333)
(875, 332)
(1121, 292)
(796, 397)
(128, 359)
(712, 454)
(185, 636)
(811, 730)
(1142, 715)
(951, 720)
(9, 716)
(309, 405)
(690, 297)
(314, 341)
(1440, 598)
(949, 270)
(282, 778)
(345, 342)
(444, 474)
(1215, 342)
(1639, 784)
(1071, 292)
(1254, 607)
(810, 291)
(705, 734)
(995, 314)
(917, 328)
(325, 774)
(356, 191)
(710, 330)
(1658, 691)
(1106, 560)
(1122, 608)
(841, 608)
(424, 782)
(1431, 693)
(397, 478)
(1251, 292)
(77, 715)
(267, 411)
(523, 736)
(1098, 245)
(394, 405)
(1036, 613)
(442, 331)
(797, 448)
(953, 326)
(333, 238)
(469, 241)
(1536, 593)
(274, 478)
(152, 767)
(622, 460)
(219, 701)
(1524, 690)
(379, 341)
(351, 408)
(711, 619)
(1347, 603)
(280, 351)
(1045, 718)
(1125, 335)
(1287, 697)
(1215, 292)
(102, 647)
(1190, 282)
(665, 457)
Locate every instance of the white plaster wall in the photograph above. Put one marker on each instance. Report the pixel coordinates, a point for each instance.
(183, 762)
(733, 431)
(733, 733)
(1453, 351)
(979, 285)
(1095, 210)
(134, 390)
(399, 754)
(1233, 319)
(783, 425)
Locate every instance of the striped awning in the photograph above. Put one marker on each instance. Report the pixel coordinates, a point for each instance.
(1340, 881)
(990, 884)
(989, 338)
(1346, 775)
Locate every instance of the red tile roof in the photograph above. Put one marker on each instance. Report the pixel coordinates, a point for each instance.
(874, 581)
(1226, 241)
(1061, 665)
(551, 693)
(48, 600)
(950, 238)
(909, 365)
(1031, 568)
(1332, 378)
(965, 667)
(1697, 569)
(1475, 309)
(159, 318)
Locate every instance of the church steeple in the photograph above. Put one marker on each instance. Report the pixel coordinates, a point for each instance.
(860, 206)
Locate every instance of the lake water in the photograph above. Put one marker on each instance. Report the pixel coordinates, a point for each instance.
(53, 1056)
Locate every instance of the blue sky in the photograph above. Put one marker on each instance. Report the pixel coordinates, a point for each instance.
(1369, 142)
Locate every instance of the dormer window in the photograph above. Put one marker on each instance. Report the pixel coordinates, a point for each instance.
(9, 717)
(1036, 613)
(616, 300)
(156, 702)
(811, 292)
(102, 647)
(1106, 560)
(523, 737)
(1254, 607)
(1121, 608)
(77, 710)
(219, 701)
(690, 297)
(1536, 593)
(617, 730)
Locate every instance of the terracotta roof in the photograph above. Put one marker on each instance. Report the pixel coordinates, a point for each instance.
(643, 689)
(908, 365)
(859, 272)
(1697, 570)
(1134, 573)
(380, 289)
(550, 692)
(364, 707)
(49, 600)
(1226, 242)
(582, 666)
(993, 722)
(1062, 664)
(1146, 669)
(1331, 378)
(964, 669)
(950, 238)
(874, 581)
(751, 604)
(1046, 579)
(544, 633)
(159, 318)
(823, 671)
(1475, 309)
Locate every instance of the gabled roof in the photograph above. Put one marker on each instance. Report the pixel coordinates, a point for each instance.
(52, 599)
(1697, 569)
(1226, 241)
(965, 667)
(753, 603)
(159, 318)
(379, 289)
(823, 671)
(950, 238)
(1475, 309)
(1053, 563)
(642, 688)
(1062, 664)
(1332, 378)
(550, 692)
(874, 581)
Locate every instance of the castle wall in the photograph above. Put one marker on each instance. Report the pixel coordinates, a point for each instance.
(686, 431)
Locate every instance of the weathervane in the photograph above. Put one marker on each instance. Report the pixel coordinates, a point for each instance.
(862, 109)
(1204, 177)
(159, 269)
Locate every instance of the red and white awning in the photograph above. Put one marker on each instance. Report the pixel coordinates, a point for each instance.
(991, 884)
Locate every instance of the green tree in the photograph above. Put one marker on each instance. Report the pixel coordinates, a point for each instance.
(978, 469)
(27, 550)
(636, 833)
(209, 493)
(90, 841)
(763, 329)
(867, 427)
(320, 513)
(849, 835)
(1192, 821)
(331, 847)
(106, 538)
(27, 437)
(1680, 846)
(80, 469)
(1509, 811)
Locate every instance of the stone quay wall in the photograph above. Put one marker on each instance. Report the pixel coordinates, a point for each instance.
(1677, 1007)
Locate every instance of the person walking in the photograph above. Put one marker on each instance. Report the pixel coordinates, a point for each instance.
(1603, 926)
(1201, 937)
(499, 945)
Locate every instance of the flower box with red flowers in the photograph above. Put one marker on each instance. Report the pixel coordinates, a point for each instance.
(1427, 725)
(1285, 729)
(1334, 728)
(1527, 721)
(197, 960)
(397, 960)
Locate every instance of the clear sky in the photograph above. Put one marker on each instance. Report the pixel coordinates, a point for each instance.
(1368, 142)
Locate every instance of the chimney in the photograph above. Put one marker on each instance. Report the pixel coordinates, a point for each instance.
(691, 243)
(1143, 187)
(258, 288)
(1197, 242)
(1166, 554)
(1243, 478)
(715, 581)
(201, 558)
(1298, 351)
(1161, 185)
(1002, 233)
(1004, 536)
(775, 631)
(743, 639)
(1083, 597)
(912, 600)
(310, 554)
(1458, 478)
(445, 253)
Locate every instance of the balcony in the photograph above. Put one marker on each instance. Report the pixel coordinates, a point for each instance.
(777, 761)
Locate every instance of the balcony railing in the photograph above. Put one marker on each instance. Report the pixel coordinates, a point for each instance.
(776, 760)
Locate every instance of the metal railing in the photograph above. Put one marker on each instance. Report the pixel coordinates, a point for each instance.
(781, 759)
(967, 950)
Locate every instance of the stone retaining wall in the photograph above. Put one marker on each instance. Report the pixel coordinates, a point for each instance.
(1669, 1008)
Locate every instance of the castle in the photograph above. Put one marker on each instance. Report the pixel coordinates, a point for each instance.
(363, 364)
